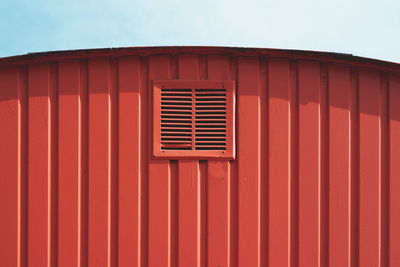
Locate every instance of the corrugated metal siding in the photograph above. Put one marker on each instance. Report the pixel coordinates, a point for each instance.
(316, 180)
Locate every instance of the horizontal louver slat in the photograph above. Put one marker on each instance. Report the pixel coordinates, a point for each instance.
(212, 101)
(207, 112)
(194, 118)
(176, 119)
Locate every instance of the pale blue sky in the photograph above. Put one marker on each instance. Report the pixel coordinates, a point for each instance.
(360, 27)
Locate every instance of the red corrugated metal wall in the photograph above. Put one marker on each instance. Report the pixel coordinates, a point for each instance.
(315, 182)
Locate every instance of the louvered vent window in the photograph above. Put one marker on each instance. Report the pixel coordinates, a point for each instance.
(193, 119)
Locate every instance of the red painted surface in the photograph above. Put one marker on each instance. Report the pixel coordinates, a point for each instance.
(315, 180)
(191, 121)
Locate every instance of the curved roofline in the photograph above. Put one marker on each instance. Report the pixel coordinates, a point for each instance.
(328, 57)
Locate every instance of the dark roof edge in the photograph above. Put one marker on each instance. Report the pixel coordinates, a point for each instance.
(33, 58)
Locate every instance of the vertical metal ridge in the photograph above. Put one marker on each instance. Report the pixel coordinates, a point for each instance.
(234, 192)
(141, 162)
(39, 165)
(199, 207)
(109, 163)
(189, 181)
(84, 152)
(174, 213)
(160, 182)
(261, 209)
(264, 164)
(54, 163)
(324, 167)
(279, 141)
(233, 229)
(219, 185)
(294, 165)
(129, 161)
(203, 212)
(24, 168)
(384, 198)
(309, 162)
(202, 74)
(204, 178)
(51, 212)
(249, 168)
(65, 139)
(10, 166)
(174, 190)
(339, 175)
(20, 173)
(144, 159)
(369, 167)
(69, 163)
(355, 158)
(201, 201)
(394, 169)
(99, 161)
(114, 218)
(265, 141)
